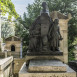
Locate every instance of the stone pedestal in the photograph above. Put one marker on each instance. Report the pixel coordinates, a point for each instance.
(49, 63)
(46, 66)
(46, 57)
(24, 73)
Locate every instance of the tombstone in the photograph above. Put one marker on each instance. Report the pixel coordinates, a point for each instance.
(46, 56)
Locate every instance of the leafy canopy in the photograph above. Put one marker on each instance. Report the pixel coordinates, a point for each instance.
(8, 7)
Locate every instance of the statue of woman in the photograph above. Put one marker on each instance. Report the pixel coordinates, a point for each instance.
(34, 32)
(55, 36)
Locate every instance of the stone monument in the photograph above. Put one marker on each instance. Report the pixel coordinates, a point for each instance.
(44, 57)
(44, 34)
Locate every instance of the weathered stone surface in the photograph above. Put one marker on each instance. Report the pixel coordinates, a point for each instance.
(56, 53)
(63, 22)
(6, 68)
(46, 66)
(23, 73)
(46, 36)
(46, 57)
(18, 62)
(59, 15)
(13, 41)
(5, 62)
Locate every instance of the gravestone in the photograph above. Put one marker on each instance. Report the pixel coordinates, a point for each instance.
(44, 57)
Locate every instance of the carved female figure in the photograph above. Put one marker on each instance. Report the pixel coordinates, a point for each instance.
(55, 36)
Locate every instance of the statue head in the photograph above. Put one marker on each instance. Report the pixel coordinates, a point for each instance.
(44, 6)
(56, 21)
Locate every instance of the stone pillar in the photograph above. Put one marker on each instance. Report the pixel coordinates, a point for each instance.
(64, 43)
(63, 23)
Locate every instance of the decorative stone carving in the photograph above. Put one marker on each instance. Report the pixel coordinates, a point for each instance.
(44, 33)
(54, 36)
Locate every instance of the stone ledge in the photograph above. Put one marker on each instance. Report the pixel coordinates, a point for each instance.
(45, 57)
(56, 53)
(46, 66)
(5, 62)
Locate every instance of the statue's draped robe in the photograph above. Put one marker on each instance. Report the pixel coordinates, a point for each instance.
(34, 32)
(54, 36)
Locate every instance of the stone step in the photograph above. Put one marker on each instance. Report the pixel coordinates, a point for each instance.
(46, 66)
(24, 73)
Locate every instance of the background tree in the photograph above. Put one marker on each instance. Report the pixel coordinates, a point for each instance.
(6, 30)
(22, 30)
(8, 7)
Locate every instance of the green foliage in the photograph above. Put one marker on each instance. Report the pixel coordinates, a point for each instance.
(34, 9)
(72, 36)
(71, 55)
(22, 30)
(63, 6)
(8, 7)
(6, 30)
(72, 30)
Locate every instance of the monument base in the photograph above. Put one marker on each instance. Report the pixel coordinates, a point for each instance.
(57, 55)
(46, 66)
(24, 73)
(44, 53)
(45, 57)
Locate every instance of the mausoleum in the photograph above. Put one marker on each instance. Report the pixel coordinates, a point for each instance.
(13, 44)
